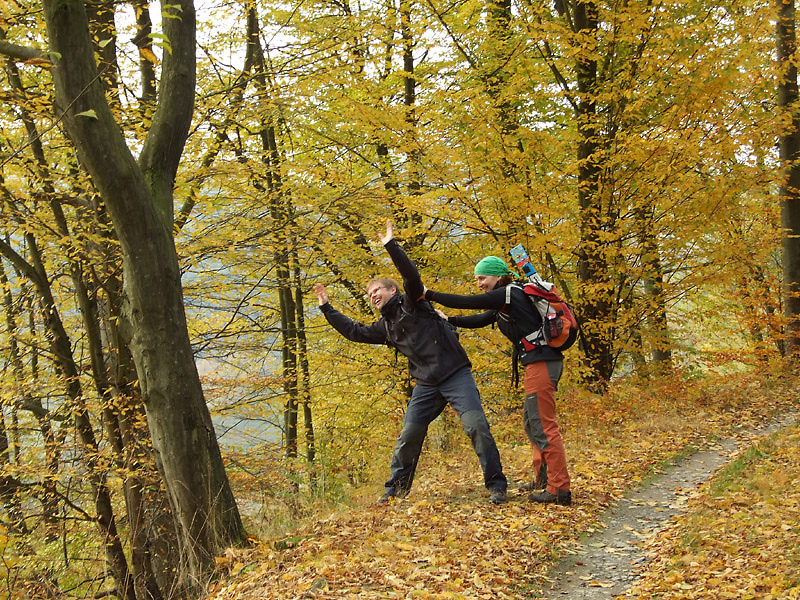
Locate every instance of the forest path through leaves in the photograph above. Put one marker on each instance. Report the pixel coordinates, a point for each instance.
(605, 565)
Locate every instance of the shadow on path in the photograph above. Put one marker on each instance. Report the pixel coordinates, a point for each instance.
(605, 564)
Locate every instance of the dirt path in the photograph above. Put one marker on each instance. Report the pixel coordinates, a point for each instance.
(605, 565)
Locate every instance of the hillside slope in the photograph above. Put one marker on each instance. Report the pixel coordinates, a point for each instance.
(446, 541)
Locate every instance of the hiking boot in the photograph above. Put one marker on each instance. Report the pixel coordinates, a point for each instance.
(498, 497)
(390, 495)
(562, 498)
(387, 497)
(538, 483)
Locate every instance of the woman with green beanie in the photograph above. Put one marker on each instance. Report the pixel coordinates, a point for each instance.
(506, 304)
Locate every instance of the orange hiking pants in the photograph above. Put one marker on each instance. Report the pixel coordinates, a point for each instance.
(541, 427)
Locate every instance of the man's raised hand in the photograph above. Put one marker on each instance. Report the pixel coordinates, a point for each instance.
(389, 235)
(322, 294)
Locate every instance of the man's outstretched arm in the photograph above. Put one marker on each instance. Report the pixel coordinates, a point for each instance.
(353, 331)
(412, 282)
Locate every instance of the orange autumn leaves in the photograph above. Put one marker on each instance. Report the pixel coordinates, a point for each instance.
(446, 541)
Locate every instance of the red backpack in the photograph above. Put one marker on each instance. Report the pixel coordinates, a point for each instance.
(559, 327)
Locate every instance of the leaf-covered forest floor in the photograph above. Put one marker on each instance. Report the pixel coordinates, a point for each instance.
(729, 532)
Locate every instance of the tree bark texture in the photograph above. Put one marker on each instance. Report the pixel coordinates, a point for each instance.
(790, 190)
(653, 278)
(305, 371)
(281, 214)
(139, 200)
(595, 290)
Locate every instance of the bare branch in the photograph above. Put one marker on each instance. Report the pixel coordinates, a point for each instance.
(23, 53)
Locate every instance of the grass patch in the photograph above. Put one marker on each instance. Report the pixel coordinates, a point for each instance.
(737, 475)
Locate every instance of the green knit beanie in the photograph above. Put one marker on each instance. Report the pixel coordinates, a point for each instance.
(493, 265)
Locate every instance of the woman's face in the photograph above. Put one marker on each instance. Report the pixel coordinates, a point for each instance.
(486, 282)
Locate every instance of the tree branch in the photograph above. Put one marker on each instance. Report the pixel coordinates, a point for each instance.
(22, 53)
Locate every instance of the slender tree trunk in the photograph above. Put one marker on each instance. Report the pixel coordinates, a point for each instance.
(409, 218)
(144, 41)
(499, 24)
(103, 29)
(658, 337)
(789, 145)
(289, 358)
(9, 486)
(280, 212)
(305, 379)
(32, 404)
(281, 223)
(385, 166)
(658, 321)
(62, 351)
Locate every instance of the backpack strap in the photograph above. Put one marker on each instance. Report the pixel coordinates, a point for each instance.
(514, 284)
(508, 294)
(535, 338)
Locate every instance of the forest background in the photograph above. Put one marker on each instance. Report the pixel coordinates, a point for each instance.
(174, 182)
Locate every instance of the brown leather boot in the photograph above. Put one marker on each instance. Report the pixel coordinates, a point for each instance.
(562, 498)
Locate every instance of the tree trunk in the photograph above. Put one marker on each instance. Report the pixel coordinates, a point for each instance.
(65, 365)
(656, 310)
(29, 402)
(155, 555)
(658, 321)
(305, 381)
(595, 289)
(139, 200)
(280, 212)
(9, 487)
(790, 190)
(281, 222)
(409, 218)
(143, 39)
(118, 407)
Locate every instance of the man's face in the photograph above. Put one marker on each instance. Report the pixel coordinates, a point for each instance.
(380, 294)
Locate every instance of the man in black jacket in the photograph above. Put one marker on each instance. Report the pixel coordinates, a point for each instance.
(436, 360)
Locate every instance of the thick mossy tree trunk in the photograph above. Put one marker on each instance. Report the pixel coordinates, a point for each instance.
(139, 199)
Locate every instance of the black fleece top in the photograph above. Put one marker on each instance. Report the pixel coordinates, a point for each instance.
(515, 319)
(409, 323)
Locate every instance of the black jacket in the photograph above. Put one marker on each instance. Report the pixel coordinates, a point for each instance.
(409, 323)
(515, 319)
